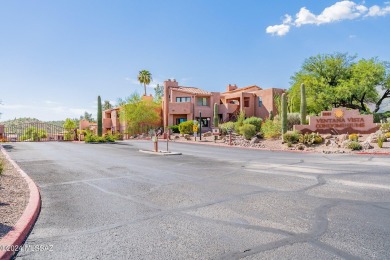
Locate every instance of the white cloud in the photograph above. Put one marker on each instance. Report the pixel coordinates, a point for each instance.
(378, 11)
(342, 10)
(304, 16)
(280, 30)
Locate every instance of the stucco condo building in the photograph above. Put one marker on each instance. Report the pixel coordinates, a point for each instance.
(186, 103)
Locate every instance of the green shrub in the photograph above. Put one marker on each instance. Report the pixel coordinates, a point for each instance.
(92, 138)
(381, 139)
(354, 145)
(109, 138)
(225, 127)
(186, 127)
(248, 131)
(379, 117)
(309, 139)
(256, 121)
(239, 122)
(385, 127)
(118, 136)
(293, 119)
(353, 137)
(291, 137)
(174, 128)
(1, 167)
(271, 128)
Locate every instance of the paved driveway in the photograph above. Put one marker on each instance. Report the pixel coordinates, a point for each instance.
(112, 202)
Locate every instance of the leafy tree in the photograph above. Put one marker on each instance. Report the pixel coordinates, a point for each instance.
(158, 93)
(69, 126)
(107, 105)
(338, 80)
(144, 77)
(87, 116)
(34, 134)
(385, 87)
(140, 115)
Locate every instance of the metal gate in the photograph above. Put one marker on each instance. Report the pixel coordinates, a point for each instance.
(34, 132)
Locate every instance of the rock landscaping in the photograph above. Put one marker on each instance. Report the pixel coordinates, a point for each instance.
(14, 195)
(330, 143)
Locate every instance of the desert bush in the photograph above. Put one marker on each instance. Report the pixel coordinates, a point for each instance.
(174, 128)
(387, 135)
(248, 131)
(271, 128)
(109, 138)
(118, 136)
(92, 138)
(293, 119)
(385, 127)
(186, 127)
(381, 139)
(225, 127)
(239, 122)
(1, 167)
(354, 145)
(291, 137)
(353, 137)
(256, 121)
(309, 139)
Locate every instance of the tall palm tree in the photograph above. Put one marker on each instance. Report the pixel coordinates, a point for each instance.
(144, 77)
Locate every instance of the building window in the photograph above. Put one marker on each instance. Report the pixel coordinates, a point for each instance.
(180, 120)
(260, 102)
(183, 99)
(203, 101)
(205, 121)
(246, 102)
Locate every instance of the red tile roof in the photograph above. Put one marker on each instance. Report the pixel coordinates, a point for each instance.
(254, 87)
(195, 91)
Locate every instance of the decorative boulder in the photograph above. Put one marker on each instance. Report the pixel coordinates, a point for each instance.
(372, 138)
(254, 140)
(366, 145)
(207, 134)
(326, 136)
(342, 138)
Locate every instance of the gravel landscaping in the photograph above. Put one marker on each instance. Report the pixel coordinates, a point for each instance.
(331, 143)
(14, 195)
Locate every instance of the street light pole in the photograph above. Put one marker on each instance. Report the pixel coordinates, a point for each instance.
(200, 126)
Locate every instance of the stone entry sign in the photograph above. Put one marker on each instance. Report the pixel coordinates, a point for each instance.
(339, 121)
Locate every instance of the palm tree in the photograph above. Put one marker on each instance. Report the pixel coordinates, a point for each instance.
(145, 77)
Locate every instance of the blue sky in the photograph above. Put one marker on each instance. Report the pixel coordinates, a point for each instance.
(56, 57)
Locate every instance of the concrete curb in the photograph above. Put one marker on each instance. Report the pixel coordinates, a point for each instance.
(13, 240)
(162, 153)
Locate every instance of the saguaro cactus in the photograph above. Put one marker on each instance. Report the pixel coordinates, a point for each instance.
(284, 113)
(303, 104)
(215, 119)
(99, 117)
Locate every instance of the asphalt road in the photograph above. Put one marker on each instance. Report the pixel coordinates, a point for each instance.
(110, 201)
